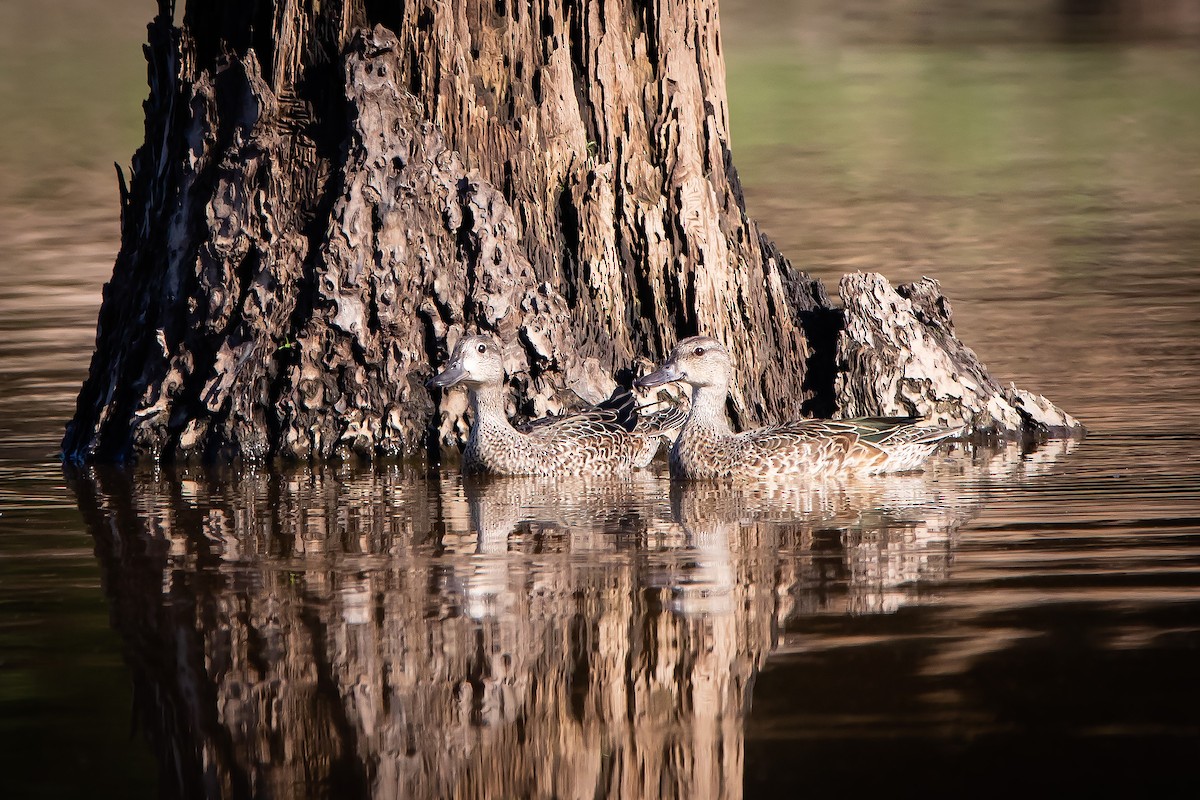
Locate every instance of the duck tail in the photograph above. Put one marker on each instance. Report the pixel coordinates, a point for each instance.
(933, 434)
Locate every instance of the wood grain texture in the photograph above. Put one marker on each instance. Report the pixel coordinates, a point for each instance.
(897, 354)
(329, 195)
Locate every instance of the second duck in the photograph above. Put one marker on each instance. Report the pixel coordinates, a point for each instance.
(707, 448)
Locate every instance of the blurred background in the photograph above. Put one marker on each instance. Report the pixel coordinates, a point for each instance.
(1040, 157)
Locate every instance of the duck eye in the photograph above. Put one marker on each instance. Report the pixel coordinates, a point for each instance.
(483, 348)
(699, 351)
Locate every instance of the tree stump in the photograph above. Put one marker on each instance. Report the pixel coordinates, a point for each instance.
(897, 355)
(330, 194)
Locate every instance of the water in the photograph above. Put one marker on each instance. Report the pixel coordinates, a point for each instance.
(1007, 621)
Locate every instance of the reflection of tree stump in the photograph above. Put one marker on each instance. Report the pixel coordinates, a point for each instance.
(365, 632)
(305, 637)
(322, 206)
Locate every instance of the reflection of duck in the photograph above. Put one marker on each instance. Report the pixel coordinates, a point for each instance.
(700, 576)
(863, 546)
(706, 448)
(573, 506)
(574, 514)
(593, 442)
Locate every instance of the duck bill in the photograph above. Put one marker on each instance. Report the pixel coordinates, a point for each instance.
(448, 377)
(667, 373)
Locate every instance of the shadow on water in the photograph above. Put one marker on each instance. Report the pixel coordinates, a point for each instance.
(377, 632)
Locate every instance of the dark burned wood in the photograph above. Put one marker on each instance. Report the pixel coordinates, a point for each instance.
(329, 194)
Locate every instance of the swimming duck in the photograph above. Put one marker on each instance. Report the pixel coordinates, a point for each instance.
(598, 441)
(707, 448)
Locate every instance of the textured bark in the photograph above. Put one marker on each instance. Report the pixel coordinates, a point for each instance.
(330, 194)
(897, 354)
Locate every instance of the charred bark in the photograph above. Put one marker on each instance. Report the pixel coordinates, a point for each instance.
(329, 195)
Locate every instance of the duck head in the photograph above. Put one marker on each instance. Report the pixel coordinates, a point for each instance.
(475, 361)
(699, 361)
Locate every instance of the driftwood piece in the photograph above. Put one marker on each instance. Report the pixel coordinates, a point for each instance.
(897, 354)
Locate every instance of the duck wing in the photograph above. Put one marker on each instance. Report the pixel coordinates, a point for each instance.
(623, 410)
(810, 439)
(833, 444)
(871, 444)
(873, 430)
(661, 418)
(589, 422)
(898, 431)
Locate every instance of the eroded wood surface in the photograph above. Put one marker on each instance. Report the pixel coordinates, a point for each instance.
(329, 195)
(898, 355)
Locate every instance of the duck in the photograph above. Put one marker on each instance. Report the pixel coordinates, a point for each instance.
(708, 449)
(613, 438)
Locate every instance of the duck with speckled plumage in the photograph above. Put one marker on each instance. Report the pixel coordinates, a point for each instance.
(598, 441)
(707, 448)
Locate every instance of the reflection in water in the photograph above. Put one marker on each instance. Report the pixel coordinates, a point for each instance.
(376, 633)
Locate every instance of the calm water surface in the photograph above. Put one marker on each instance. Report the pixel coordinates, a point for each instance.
(1010, 620)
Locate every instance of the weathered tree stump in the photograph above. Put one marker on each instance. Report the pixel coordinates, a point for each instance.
(330, 194)
(897, 354)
